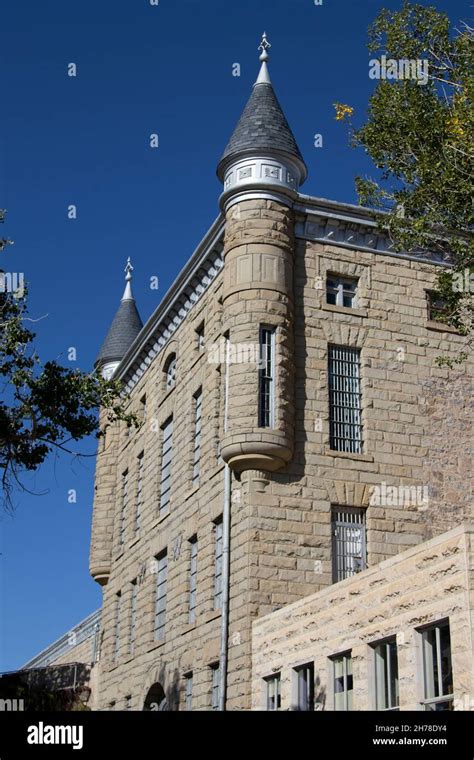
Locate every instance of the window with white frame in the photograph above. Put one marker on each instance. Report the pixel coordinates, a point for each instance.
(139, 504)
(345, 408)
(216, 686)
(218, 537)
(118, 615)
(342, 681)
(170, 372)
(349, 544)
(166, 462)
(341, 291)
(160, 606)
(273, 691)
(386, 675)
(304, 683)
(124, 510)
(193, 544)
(197, 435)
(133, 616)
(188, 691)
(266, 391)
(437, 667)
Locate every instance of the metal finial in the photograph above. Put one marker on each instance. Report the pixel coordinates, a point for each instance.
(127, 295)
(128, 270)
(264, 47)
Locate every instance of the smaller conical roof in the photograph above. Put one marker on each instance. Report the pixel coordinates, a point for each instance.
(125, 326)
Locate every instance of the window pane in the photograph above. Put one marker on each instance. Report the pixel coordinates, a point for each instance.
(345, 418)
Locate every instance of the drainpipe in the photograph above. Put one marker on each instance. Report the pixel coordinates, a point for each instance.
(225, 557)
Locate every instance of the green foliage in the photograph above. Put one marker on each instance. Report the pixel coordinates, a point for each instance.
(44, 406)
(421, 138)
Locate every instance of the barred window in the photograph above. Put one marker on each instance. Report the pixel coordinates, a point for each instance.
(160, 610)
(166, 461)
(133, 616)
(341, 291)
(273, 691)
(124, 510)
(188, 691)
(342, 681)
(193, 579)
(349, 553)
(118, 614)
(386, 675)
(218, 564)
(437, 668)
(266, 401)
(197, 435)
(216, 686)
(139, 504)
(345, 418)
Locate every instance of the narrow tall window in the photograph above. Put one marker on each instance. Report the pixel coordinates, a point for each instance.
(197, 435)
(386, 675)
(273, 692)
(124, 510)
(345, 419)
(139, 504)
(118, 614)
(266, 391)
(200, 337)
(218, 564)
(193, 579)
(342, 671)
(349, 553)
(341, 291)
(437, 668)
(160, 608)
(305, 687)
(142, 409)
(128, 702)
(133, 616)
(216, 686)
(188, 691)
(170, 372)
(166, 461)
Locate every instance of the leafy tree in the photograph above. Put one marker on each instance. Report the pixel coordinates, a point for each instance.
(420, 137)
(43, 406)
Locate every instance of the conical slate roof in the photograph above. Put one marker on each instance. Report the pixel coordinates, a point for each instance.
(262, 127)
(125, 326)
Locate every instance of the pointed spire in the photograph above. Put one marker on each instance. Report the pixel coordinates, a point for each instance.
(127, 294)
(264, 75)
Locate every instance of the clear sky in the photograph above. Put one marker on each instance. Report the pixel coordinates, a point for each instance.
(84, 140)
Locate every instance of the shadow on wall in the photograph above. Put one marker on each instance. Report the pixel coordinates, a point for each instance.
(163, 695)
(53, 688)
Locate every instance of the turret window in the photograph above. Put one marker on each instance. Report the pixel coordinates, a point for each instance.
(266, 400)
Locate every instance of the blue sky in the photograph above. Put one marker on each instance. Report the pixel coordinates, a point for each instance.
(141, 69)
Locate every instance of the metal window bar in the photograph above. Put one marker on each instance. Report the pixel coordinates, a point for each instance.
(215, 686)
(193, 580)
(133, 617)
(123, 514)
(160, 611)
(437, 668)
(197, 436)
(345, 419)
(166, 461)
(386, 676)
(349, 549)
(218, 565)
(138, 511)
(118, 611)
(306, 688)
(266, 400)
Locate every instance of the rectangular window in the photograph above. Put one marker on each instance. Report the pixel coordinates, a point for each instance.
(118, 614)
(345, 418)
(216, 686)
(266, 401)
(342, 680)
(197, 436)
(341, 291)
(273, 692)
(437, 668)
(193, 579)
(386, 675)
(133, 616)
(437, 306)
(188, 691)
(349, 553)
(218, 564)
(305, 687)
(166, 461)
(160, 609)
(124, 510)
(139, 504)
(142, 410)
(200, 337)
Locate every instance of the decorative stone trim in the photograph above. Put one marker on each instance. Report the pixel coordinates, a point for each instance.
(348, 494)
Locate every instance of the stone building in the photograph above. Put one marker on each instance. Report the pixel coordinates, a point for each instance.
(295, 431)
